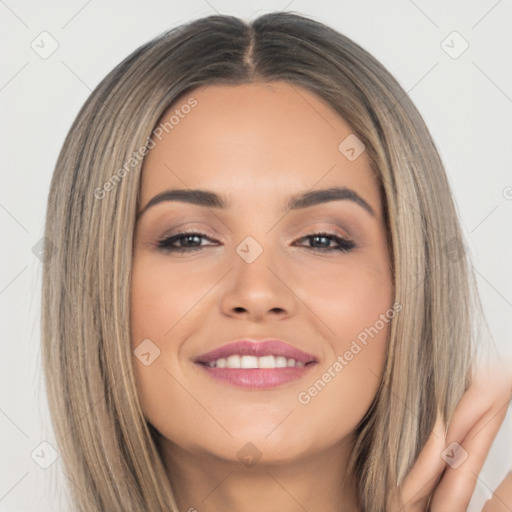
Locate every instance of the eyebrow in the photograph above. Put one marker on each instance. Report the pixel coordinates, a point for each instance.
(210, 199)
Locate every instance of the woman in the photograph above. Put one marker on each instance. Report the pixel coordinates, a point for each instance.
(259, 297)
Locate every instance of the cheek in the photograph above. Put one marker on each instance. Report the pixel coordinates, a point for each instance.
(156, 306)
(167, 304)
(355, 304)
(348, 296)
(162, 294)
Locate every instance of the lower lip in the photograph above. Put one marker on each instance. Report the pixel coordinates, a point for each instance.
(256, 378)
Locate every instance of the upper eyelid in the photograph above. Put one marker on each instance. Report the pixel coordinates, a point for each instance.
(336, 224)
(186, 228)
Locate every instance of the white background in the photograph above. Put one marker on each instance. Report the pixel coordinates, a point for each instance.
(466, 102)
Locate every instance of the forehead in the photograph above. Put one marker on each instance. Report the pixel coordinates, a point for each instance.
(257, 141)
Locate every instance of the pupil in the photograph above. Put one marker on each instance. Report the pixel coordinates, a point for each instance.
(190, 237)
(321, 237)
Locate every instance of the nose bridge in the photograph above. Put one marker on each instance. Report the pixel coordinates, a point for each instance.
(256, 284)
(254, 262)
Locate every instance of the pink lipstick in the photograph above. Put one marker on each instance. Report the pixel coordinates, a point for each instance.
(257, 364)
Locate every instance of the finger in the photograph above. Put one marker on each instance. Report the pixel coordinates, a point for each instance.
(458, 482)
(468, 442)
(490, 387)
(424, 475)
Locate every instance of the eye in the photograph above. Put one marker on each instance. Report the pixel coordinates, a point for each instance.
(321, 240)
(191, 241)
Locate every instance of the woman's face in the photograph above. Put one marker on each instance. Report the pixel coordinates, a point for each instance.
(253, 271)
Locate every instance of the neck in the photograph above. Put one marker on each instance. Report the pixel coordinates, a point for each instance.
(205, 483)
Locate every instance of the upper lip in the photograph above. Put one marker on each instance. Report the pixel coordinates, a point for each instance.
(247, 347)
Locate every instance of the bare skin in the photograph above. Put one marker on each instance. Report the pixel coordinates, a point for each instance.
(258, 144)
(501, 500)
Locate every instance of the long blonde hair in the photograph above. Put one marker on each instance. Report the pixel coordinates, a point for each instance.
(110, 453)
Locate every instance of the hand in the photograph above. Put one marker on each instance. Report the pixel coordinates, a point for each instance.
(501, 500)
(446, 485)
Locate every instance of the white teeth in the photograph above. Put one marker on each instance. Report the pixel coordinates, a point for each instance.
(248, 362)
(281, 362)
(267, 362)
(233, 361)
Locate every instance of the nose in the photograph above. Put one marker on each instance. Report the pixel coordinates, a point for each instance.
(258, 291)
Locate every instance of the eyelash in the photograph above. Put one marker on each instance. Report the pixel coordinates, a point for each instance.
(345, 245)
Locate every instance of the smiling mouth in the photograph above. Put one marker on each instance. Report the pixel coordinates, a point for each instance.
(254, 364)
(256, 373)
